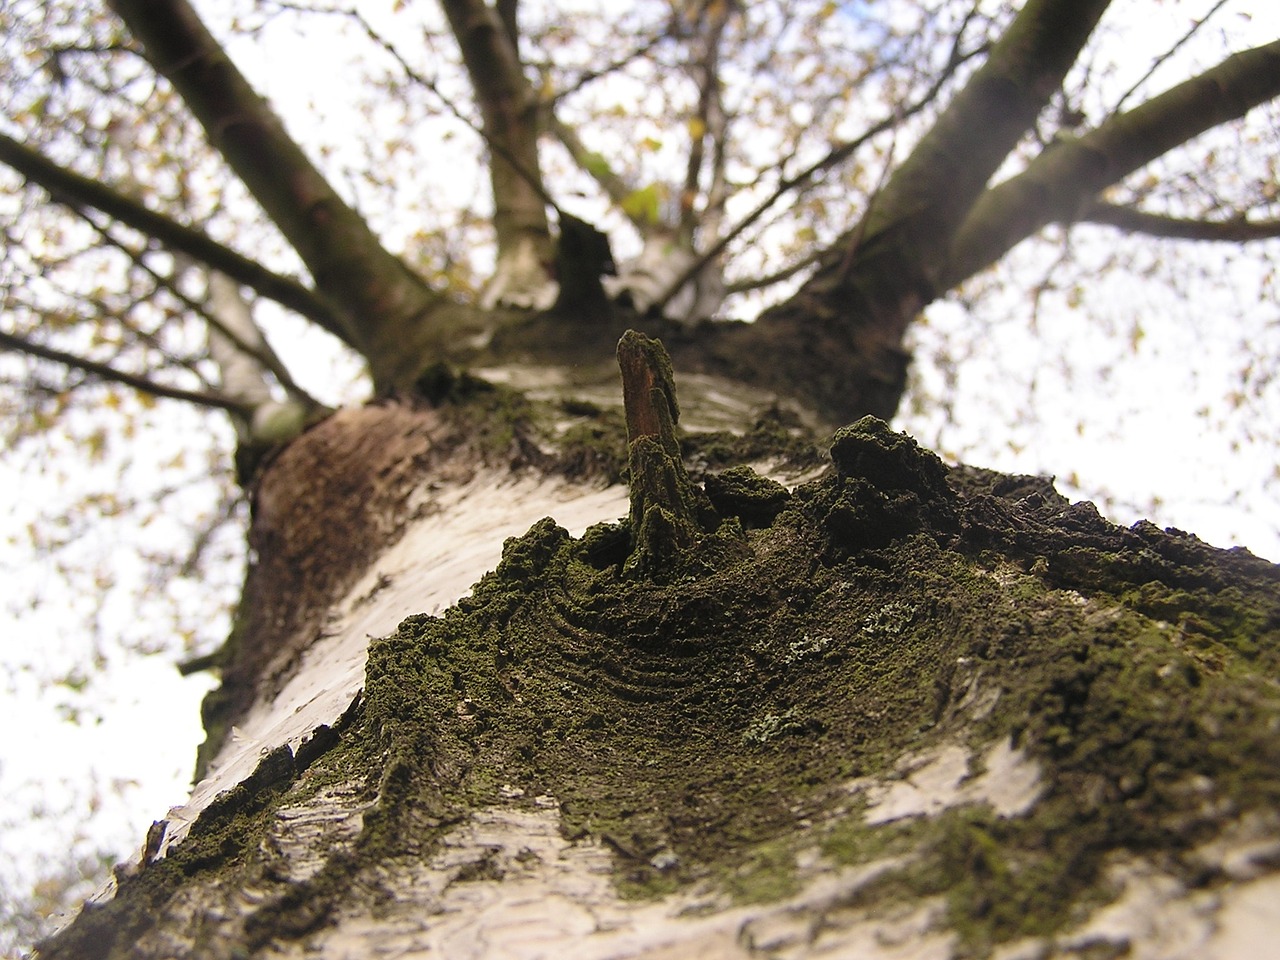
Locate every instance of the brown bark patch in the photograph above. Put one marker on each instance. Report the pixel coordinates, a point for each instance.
(324, 508)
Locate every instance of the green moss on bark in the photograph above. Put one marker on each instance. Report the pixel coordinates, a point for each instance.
(686, 721)
(711, 725)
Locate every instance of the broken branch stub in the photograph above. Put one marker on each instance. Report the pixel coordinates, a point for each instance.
(666, 509)
(648, 390)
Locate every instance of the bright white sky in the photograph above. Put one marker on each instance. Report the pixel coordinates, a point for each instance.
(1143, 436)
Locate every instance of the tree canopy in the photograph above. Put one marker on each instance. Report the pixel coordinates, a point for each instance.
(267, 209)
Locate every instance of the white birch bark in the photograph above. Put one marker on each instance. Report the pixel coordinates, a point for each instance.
(506, 883)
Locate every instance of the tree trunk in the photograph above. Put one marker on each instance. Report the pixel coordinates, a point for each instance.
(794, 692)
(860, 705)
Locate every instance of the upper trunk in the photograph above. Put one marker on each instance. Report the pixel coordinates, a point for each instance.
(489, 42)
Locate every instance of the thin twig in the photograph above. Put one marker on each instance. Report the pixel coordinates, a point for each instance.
(266, 356)
(107, 372)
(835, 156)
(1160, 60)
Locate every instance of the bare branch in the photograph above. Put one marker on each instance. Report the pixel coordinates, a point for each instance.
(509, 111)
(778, 276)
(79, 192)
(384, 305)
(588, 77)
(496, 147)
(931, 193)
(1160, 60)
(103, 371)
(1063, 181)
(1132, 220)
(708, 123)
(259, 350)
(160, 282)
(229, 502)
(509, 16)
(800, 180)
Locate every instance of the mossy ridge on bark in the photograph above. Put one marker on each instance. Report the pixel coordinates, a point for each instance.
(691, 724)
(687, 722)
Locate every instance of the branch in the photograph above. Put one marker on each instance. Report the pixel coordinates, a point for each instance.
(260, 350)
(228, 503)
(509, 112)
(798, 181)
(1062, 181)
(588, 77)
(778, 276)
(384, 305)
(107, 372)
(928, 197)
(509, 16)
(78, 192)
(1132, 220)
(416, 76)
(710, 119)
(1160, 60)
(137, 259)
(231, 323)
(613, 185)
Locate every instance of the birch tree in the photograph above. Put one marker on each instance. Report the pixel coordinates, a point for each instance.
(770, 679)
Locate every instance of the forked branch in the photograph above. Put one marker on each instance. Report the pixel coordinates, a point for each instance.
(383, 305)
(1060, 185)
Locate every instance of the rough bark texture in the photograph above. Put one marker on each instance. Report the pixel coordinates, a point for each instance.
(322, 510)
(899, 710)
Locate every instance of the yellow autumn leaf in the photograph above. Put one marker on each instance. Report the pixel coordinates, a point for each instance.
(596, 165)
(642, 204)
